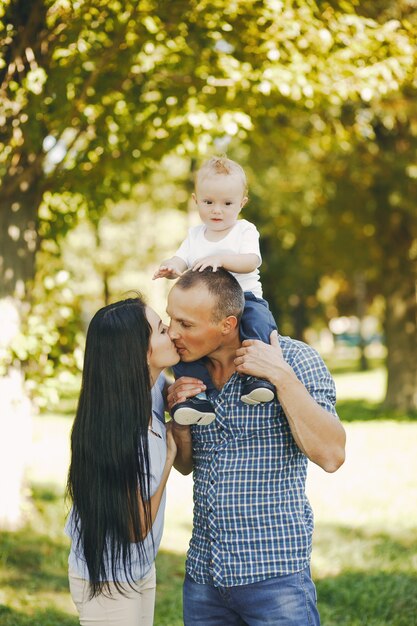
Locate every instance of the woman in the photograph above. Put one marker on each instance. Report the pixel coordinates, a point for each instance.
(121, 457)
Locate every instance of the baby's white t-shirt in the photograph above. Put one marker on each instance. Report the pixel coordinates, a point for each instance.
(242, 239)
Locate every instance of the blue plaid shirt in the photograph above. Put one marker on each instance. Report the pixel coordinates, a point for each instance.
(252, 518)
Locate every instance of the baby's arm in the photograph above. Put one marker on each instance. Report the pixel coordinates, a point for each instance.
(233, 262)
(171, 268)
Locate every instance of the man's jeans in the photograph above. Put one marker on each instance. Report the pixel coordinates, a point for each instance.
(282, 601)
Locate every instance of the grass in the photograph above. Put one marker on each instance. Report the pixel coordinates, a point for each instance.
(365, 543)
(33, 567)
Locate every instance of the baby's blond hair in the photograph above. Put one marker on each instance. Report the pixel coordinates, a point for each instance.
(223, 166)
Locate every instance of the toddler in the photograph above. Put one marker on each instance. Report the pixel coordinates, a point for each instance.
(223, 240)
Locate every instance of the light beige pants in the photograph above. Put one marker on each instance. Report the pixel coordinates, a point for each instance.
(136, 608)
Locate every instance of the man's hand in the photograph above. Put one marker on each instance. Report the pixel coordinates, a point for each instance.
(183, 388)
(259, 359)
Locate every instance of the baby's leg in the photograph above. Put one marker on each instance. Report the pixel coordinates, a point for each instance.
(257, 320)
(195, 369)
(257, 323)
(196, 410)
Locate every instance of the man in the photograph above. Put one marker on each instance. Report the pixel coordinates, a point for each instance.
(249, 556)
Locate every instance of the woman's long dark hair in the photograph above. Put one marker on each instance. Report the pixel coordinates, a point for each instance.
(109, 467)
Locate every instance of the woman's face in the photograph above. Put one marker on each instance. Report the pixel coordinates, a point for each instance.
(162, 352)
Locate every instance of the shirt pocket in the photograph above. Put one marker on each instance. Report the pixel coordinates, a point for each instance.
(260, 418)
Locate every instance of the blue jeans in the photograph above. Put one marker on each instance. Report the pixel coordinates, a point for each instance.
(283, 601)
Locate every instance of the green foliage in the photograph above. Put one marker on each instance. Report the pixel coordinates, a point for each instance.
(109, 82)
(50, 343)
(318, 99)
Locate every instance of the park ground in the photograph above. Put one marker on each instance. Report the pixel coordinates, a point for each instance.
(365, 543)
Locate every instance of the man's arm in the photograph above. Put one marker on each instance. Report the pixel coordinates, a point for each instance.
(318, 433)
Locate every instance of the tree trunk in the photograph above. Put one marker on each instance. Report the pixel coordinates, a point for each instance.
(360, 294)
(400, 283)
(15, 421)
(20, 195)
(19, 239)
(15, 440)
(401, 339)
(18, 245)
(396, 231)
(299, 317)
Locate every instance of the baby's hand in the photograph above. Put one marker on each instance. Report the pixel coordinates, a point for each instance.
(215, 261)
(167, 270)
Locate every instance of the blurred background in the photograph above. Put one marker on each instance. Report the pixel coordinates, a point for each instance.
(107, 107)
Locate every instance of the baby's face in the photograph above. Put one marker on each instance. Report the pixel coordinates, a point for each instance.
(220, 198)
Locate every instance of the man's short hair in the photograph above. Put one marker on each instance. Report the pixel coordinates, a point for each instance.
(221, 284)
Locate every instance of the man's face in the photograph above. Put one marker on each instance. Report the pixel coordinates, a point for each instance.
(192, 328)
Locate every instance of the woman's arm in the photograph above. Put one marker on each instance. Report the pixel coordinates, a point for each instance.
(183, 388)
(155, 500)
(184, 459)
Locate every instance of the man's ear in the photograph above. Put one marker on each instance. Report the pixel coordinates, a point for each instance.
(229, 324)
